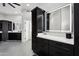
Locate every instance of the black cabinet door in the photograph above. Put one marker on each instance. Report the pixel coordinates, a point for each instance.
(40, 20)
(60, 49)
(55, 51)
(76, 24)
(76, 28)
(39, 23)
(42, 47)
(0, 36)
(37, 27)
(34, 23)
(14, 36)
(34, 44)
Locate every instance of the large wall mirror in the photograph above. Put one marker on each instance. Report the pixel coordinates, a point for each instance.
(11, 25)
(60, 20)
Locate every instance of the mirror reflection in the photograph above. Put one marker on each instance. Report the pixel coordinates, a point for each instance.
(59, 20)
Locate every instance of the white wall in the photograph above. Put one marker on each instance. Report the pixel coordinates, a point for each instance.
(26, 26)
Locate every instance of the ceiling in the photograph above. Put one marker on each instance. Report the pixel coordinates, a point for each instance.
(19, 9)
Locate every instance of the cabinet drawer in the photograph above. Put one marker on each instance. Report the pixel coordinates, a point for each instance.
(42, 47)
(42, 42)
(61, 45)
(53, 51)
(42, 51)
(14, 36)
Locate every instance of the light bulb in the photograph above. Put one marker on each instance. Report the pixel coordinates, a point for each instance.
(28, 4)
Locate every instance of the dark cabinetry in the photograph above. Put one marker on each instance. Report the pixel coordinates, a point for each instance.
(76, 28)
(0, 37)
(47, 47)
(60, 49)
(38, 20)
(42, 47)
(14, 36)
(34, 44)
(38, 26)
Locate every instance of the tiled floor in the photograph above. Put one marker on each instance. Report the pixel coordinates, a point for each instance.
(15, 48)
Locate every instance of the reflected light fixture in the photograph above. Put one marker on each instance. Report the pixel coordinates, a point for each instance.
(27, 4)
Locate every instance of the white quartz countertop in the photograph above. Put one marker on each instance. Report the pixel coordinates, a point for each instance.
(12, 31)
(56, 38)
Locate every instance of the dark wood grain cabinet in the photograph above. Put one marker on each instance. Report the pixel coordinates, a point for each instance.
(38, 20)
(60, 49)
(46, 47)
(34, 44)
(12, 36)
(76, 28)
(42, 47)
(38, 26)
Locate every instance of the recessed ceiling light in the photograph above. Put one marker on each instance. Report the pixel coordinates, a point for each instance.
(28, 4)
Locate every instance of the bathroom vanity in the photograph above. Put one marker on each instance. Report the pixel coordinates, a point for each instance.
(47, 47)
(12, 36)
(56, 38)
(10, 33)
